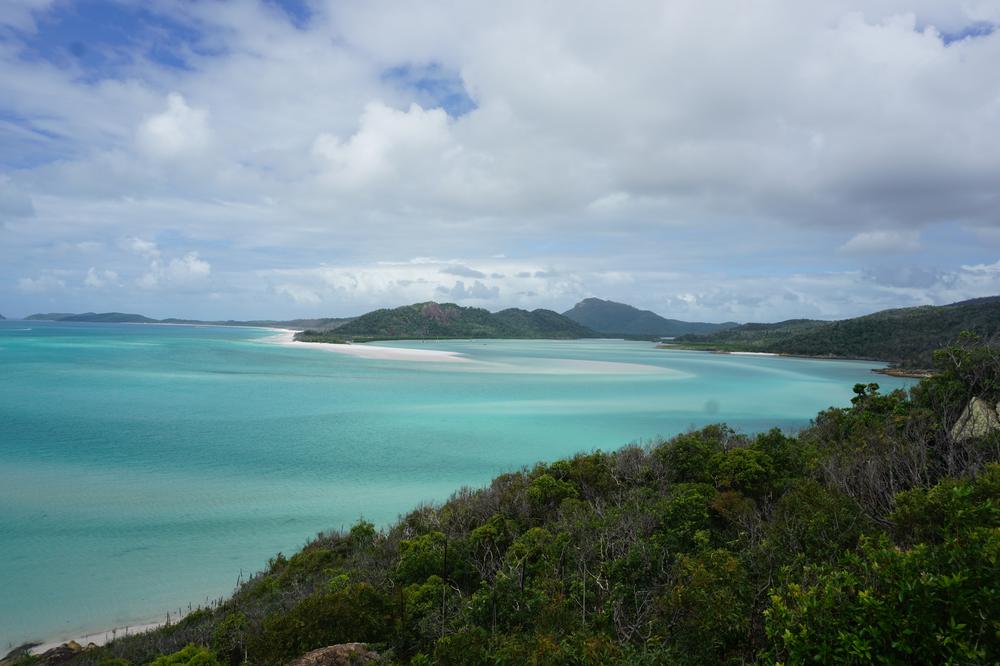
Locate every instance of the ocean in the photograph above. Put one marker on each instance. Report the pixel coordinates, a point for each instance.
(145, 468)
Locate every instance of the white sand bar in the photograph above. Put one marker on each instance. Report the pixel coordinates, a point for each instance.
(375, 351)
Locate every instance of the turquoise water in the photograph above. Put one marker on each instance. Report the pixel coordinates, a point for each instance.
(143, 467)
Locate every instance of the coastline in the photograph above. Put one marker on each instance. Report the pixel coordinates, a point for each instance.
(889, 371)
(286, 337)
(97, 638)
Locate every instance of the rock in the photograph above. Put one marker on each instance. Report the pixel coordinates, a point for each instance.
(17, 653)
(978, 420)
(58, 655)
(344, 654)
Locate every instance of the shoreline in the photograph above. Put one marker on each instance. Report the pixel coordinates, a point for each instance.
(97, 638)
(286, 338)
(889, 370)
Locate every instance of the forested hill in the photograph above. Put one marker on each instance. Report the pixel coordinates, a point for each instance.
(618, 318)
(447, 320)
(110, 318)
(871, 536)
(905, 336)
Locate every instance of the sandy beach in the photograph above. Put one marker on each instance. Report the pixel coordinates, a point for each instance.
(97, 638)
(287, 337)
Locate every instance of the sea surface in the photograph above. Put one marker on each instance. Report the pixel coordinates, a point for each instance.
(144, 467)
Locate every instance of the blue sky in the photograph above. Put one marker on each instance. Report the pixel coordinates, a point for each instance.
(297, 158)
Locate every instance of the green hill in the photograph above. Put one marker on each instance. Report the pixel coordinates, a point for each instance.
(110, 318)
(904, 336)
(48, 316)
(871, 536)
(618, 318)
(447, 320)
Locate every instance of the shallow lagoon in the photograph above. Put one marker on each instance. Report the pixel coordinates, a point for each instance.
(143, 467)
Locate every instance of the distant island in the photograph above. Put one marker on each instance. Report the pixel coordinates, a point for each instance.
(613, 318)
(322, 323)
(448, 320)
(905, 337)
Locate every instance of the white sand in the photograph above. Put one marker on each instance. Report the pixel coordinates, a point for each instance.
(732, 353)
(287, 337)
(99, 638)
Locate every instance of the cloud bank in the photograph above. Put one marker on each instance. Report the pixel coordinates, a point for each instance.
(749, 161)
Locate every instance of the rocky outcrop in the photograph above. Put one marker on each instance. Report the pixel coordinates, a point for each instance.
(979, 419)
(344, 654)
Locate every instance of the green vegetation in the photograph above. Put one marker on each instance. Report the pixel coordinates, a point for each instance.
(192, 655)
(447, 320)
(108, 317)
(613, 318)
(906, 337)
(870, 537)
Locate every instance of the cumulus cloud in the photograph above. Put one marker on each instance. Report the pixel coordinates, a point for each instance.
(388, 143)
(478, 291)
(186, 270)
(352, 289)
(180, 271)
(98, 279)
(178, 130)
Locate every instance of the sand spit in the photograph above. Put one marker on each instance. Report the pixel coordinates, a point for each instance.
(370, 351)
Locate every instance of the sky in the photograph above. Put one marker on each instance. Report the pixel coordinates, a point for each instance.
(714, 161)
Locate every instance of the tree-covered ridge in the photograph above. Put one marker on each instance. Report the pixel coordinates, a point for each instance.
(612, 318)
(447, 320)
(872, 536)
(904, 336)
(94, 317)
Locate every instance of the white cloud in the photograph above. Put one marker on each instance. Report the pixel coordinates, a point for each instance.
(40, 285)
(477, 292)
(387, 143)
(879, 242)
(188, 268)
(178, 130)
(143, 247)
(98, 279)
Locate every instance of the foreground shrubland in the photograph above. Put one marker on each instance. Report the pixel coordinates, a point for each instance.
(870, 537)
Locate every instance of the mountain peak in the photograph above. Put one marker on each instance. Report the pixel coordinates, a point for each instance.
(620, 318)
